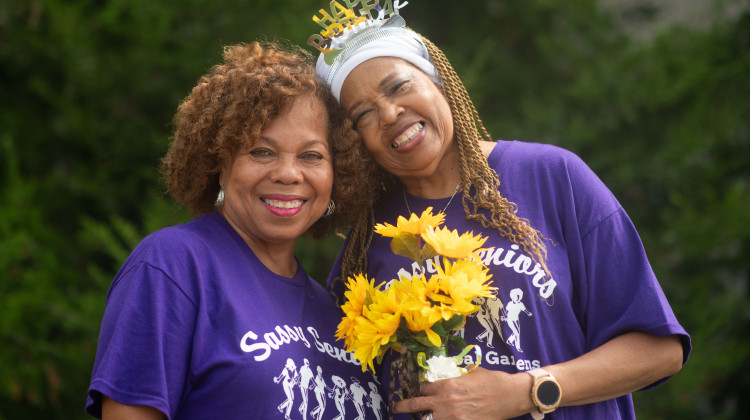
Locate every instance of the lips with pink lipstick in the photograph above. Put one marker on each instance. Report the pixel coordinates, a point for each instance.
(283, 206)
(407, 135)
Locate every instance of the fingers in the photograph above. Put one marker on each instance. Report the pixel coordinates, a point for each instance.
(411, 405)
(426, 388)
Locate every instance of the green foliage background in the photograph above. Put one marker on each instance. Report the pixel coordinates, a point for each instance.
(89, 87)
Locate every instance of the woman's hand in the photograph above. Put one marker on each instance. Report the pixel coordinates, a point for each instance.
(622, 365)
(480, 394)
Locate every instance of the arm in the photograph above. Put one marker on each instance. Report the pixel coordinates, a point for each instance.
(622, 365)
(636, 359)
(112, 410)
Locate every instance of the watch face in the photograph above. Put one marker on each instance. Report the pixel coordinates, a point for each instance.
(548, 393)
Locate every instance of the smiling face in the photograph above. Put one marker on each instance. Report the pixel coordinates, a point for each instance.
(402, 116)
(276, 187)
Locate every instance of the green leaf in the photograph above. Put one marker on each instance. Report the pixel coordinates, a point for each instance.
(428, 252)
(439, 329)
(331, 55)
(457, 342)
(416, 347)
(453, 323)
(407, 245)
(422, 339)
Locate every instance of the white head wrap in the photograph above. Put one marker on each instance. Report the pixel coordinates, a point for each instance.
(371, 42)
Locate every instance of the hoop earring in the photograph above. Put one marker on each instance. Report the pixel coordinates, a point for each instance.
(219, 198)
(330, 209)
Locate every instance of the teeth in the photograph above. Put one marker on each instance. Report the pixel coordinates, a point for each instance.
(283, 204)
(408, 135)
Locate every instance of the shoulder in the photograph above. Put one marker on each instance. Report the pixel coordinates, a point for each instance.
(196, 236)
(178, 252)
(543, 164)
(551, 178)
(532, 155)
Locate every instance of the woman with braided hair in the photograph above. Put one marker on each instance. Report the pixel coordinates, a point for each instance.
(598, 325)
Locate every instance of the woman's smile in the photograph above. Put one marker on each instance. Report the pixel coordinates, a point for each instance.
(283, 206)
(408, 136)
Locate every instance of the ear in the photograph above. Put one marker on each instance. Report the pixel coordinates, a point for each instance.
(225, 165)
(224, 168)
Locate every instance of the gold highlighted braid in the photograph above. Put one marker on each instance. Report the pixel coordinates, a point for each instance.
(476, 176)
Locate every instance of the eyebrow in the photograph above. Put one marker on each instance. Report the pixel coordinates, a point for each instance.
(307, 143)
(387, 79)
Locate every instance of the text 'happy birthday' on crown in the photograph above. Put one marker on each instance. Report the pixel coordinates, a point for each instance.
(353, 13)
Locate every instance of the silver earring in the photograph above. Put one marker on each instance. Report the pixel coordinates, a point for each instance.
(220, 198)
(330, 209)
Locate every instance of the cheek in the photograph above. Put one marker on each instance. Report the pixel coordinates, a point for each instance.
(368, 139)
(323, 180)
(373, 142)
(444, 119)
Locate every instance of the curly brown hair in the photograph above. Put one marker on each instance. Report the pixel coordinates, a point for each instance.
(476, 176)
(229, 108)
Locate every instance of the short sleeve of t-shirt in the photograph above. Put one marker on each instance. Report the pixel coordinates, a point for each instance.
(146, 331)
(623, 292)
(617, 290)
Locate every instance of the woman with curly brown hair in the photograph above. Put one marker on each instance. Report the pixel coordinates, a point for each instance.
(203, 316)
(560, 248)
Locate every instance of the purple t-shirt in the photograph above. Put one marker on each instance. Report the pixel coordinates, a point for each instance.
(602, 284)
(197, 327)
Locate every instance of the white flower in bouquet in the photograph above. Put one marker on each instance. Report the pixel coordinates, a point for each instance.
(442, 367)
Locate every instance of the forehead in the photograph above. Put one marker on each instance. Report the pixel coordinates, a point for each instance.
(374, 75)
(384, 62)
(306, 113)
(303, 107)
(375, 69)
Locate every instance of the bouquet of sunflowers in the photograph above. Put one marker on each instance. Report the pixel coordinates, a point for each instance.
(415, 316)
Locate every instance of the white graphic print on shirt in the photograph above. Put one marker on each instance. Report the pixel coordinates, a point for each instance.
(296, 384)
(296, 379)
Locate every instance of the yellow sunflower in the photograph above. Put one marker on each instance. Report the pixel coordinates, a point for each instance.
(463, 281)
(359, 293)
(365, 342)
(360, 289)
(449, 244)
(422, 305)
(415, 225)
(375, 330)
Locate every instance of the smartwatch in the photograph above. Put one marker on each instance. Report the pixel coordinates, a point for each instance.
(545, 393)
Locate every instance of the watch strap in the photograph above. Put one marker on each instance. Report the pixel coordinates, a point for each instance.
(538, 373)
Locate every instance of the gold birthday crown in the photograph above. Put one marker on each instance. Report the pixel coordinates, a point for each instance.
(346, 17)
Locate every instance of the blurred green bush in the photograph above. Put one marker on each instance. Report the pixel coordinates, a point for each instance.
(89, 87)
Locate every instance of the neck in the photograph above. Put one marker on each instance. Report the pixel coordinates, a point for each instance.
(441, 183)
(277, 257)
(280, 260)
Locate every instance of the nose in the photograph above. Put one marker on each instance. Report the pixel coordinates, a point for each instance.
(286, 170)
(389, 111)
